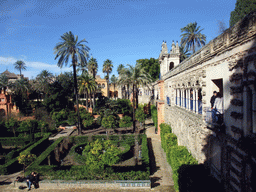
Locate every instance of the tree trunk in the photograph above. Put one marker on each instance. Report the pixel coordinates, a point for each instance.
(86, 99)
(107, 85)
(76, 94)
(137, 98)
(133, 106)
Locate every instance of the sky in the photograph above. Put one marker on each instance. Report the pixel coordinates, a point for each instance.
(120, 30)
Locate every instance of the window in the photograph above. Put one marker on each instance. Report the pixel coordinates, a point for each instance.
(171, 66)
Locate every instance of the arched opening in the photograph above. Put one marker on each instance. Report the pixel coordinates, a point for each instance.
(191, 99)
(200, 101)
(103, 85)
(171, 65)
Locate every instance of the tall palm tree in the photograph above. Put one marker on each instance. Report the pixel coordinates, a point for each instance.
(20, 65)
(120, 70)
(107, 68)
(135, 76)
(69, 46)
(184, 54)
(192, 37)
(114, 80)
(93, 68)
(88, 85)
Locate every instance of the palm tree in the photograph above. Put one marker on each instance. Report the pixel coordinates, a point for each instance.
(120, 68)
(192, 37)
(88, 85)
(43, 81)
(114, 80)
(184, 54)
(107, 68)
(69, 46)
(20, 65)
(93, 68)
(135, 76)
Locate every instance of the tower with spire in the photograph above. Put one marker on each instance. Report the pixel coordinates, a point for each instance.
(170, 60)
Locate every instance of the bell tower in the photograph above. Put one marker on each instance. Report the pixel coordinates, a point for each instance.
(170, 60)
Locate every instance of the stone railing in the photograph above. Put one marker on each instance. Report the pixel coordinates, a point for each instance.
(241, 32)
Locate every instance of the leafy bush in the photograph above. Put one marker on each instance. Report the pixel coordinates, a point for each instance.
(109, 122)
(101, 153)
(178, 156)
(154, 115)
(60, 117)
(140, 115)
(126, 121)
(86, 117)
(166, 130)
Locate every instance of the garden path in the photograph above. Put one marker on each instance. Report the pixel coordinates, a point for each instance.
(64, 133)
(161, 172)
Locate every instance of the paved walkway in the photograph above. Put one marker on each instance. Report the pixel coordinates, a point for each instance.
(161, 173)
(64, 133)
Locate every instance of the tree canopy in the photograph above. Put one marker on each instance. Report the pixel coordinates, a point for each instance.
(243, 7)
(151, 66)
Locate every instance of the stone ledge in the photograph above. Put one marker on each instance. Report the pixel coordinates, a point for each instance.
(53, 184)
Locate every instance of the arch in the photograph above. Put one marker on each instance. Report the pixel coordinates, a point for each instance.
(103, 85)
(171, 65)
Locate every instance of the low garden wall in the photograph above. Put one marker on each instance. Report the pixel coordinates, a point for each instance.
(61, 184)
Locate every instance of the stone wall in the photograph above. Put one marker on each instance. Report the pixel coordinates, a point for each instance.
(226, 64)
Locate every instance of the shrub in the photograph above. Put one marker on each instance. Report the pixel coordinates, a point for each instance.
(126, 121)
(60, 117)
(154, 115)
(144, 151)
(101, 153)
(178, 156)
(166, 129)
(109, 122)
(140, 115)
(86, 117)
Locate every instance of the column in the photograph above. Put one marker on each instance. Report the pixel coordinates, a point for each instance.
(196, 100)
(187, 99)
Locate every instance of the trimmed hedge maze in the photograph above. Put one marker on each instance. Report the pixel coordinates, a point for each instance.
(49, 164)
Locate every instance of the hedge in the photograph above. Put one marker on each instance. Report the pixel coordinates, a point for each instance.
(153, 110)
(12, 165)
(79, 139)
(166, 135)
(176, 155)
(144, 151)
(78, 172)
(35, 166)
